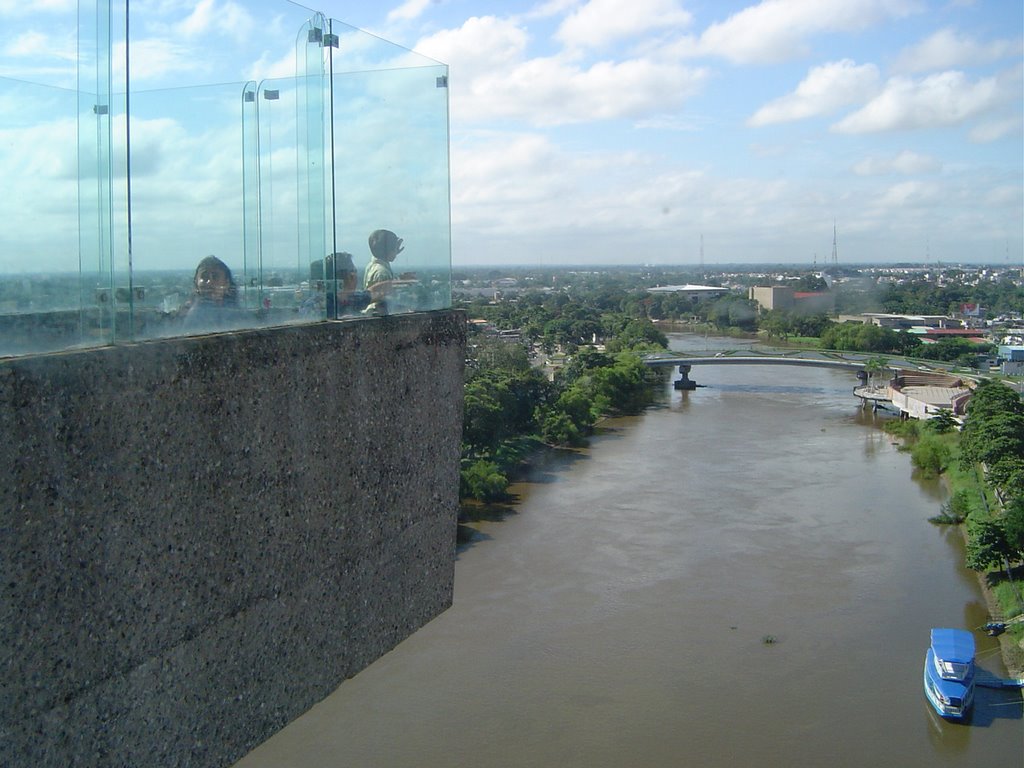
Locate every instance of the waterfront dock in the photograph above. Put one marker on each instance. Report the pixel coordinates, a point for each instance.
(989, 680)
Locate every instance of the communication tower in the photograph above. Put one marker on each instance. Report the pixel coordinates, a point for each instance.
(835, 248)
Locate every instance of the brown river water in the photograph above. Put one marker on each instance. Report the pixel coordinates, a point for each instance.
(743, 575)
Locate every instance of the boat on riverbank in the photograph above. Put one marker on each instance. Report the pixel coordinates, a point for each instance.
(949, 672)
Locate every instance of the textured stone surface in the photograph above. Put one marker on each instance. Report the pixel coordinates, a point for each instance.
(203, 537)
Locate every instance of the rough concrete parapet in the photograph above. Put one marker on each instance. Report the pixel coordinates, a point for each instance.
(202, 537)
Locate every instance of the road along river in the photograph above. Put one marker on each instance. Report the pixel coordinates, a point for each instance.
(741, 575)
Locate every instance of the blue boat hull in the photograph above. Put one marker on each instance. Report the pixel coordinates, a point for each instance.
(949, 698)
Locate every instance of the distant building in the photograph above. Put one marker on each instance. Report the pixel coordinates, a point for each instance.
(814, 302)
(922, 395)
(1012, 360)
(934, 334)
(785, 298)
(902, 322)
(773, 297)
(692, 292)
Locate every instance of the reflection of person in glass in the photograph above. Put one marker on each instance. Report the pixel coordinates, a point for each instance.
(335, 282)
(342, 269)
(379, 278)
(214, 299)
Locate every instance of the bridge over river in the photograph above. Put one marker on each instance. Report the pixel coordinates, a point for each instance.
(686, 363)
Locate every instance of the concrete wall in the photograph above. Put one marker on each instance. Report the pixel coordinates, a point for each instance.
(203, 537)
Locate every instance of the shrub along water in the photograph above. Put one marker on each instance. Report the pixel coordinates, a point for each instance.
(511, 408)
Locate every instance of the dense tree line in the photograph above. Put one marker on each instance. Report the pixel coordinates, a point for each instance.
(924, 297)
(865, 337)
(511, 406)
(993, 439)
(862, 337)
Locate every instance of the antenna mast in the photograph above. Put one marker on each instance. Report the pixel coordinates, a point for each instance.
(835, 248)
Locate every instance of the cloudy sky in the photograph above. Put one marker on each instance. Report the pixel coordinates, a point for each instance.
(607, 131)
(625, 131)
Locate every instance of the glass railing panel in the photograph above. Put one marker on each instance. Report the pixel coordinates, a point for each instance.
(55, 158)
(250, 187)
(108, 219)
(44, 303)
(187, 181)
(311, 163)
(281, 266)
(392, 174)
(361, 51)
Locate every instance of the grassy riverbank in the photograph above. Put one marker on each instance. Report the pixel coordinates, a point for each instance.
(972, 501)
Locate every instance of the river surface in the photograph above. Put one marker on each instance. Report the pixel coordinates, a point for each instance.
(742, 575)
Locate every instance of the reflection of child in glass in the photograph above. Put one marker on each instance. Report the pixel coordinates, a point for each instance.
(379, 278)
(214, 297)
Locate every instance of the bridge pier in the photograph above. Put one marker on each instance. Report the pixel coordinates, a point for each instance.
(684, 381)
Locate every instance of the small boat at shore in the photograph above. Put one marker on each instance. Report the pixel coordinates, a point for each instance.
(949, 672)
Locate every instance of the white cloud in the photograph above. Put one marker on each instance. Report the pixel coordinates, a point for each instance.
(946, 49)
(43, 45)
(554, 92)
(154, 58)
(906, 162)
(228, 18)
(491, 79)
(776, 30)
(672, 122)
(1005, 195)
(996, 129)
(550, 8)
(22, 8)
(600, 22)
(266, 67)
(624, 205)
(914, 194)
(410, 9)
(938, 100)
(481, 45)
(824, 90)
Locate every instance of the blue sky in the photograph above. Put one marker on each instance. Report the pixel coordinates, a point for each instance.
(613, 131)
(629, 132)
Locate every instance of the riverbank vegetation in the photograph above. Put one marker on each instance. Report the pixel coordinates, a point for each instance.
(514, 407)
(545, 365)
(983, 465)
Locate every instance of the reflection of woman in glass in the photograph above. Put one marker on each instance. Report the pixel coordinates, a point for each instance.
(345, 300)
(214, 298)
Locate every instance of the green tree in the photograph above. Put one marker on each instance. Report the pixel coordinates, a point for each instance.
(637, 334)
(483, 422)
(558, 429)
(987, 545)
(993, 427)
(943, 422)
(482, 479)
(733, 311)
(1007, 474)
(876, 366)
(502, 355)
(949, 350)
(1013, 527)
(775, 324)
